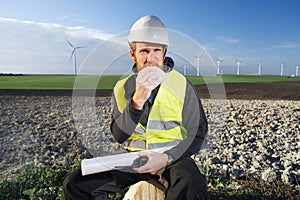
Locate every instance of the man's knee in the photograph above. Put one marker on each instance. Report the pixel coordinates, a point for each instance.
(184, 176)
(75, 187)
(68, 186)
(185, 168)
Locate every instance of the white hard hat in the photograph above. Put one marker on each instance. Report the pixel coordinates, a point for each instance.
(149, 29)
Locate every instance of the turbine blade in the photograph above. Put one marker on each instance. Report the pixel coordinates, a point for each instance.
(80, 47)
(72, 53)
(69, 43)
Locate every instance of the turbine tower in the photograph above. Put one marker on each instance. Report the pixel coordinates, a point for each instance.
(259, 67)
(73, 54)
(198, 63)
(238, 62)
(184, 69)
(218, 65)
(297, 67)
(281, 69)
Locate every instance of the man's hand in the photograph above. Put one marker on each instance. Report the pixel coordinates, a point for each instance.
(147, 79)
(156, 161)
(142, 93)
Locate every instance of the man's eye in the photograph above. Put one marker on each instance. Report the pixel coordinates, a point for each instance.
(157, 50)
(144, 51)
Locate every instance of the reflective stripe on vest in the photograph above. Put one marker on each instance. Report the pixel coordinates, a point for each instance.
(164, 126)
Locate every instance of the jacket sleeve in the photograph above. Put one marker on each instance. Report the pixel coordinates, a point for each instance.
(195, 122)
(123, 124)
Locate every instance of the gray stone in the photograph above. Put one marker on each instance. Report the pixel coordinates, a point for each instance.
(269, 175)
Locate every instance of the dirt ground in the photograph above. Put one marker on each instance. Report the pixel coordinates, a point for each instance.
(278, 90)
(289, 90)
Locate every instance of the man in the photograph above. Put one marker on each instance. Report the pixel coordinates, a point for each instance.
(154, 107)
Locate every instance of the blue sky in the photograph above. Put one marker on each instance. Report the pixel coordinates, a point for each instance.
(32, 32)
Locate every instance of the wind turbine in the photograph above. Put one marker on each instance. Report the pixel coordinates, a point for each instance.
(238, 62)
(184, 69)
(198, 63)
(73, 54)
(198, 66)
(297, 67)
(281, 69)
(218, 65)
(259, 67)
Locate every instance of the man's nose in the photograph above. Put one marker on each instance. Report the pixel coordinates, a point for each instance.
(151, 57)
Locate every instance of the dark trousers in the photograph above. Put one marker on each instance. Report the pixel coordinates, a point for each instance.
(183, 178)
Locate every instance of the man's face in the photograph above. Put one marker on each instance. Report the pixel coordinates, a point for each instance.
(148, 54)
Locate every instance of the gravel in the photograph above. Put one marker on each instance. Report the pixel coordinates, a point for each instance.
(247, 138)
(253, 139)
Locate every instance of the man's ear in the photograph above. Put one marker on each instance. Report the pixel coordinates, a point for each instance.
(132, 55)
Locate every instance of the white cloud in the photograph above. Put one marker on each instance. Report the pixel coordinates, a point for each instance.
(227, 39)
(37, 47)
(75, 31)
(73, 18)
(286, 45)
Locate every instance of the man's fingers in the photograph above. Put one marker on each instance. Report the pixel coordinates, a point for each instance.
(142, 77)
(151, 76)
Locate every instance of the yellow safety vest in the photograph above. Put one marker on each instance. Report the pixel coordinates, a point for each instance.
(164, 125)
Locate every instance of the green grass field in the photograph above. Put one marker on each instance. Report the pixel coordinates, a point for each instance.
(67, 82)
(240, 79)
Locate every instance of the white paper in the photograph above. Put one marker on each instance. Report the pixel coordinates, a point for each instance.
(106, 163)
